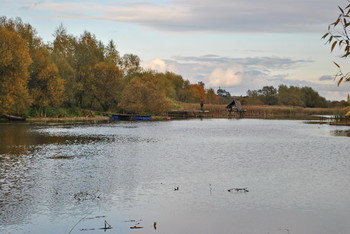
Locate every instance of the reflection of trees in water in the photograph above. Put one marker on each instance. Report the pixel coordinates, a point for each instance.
(19, 139)
(343, 133)
(26, 171)
(15, 202)
(39, 169)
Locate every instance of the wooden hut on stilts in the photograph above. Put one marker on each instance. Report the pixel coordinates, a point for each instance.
(236, 106)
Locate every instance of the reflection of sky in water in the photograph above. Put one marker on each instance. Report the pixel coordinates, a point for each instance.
(298, 176)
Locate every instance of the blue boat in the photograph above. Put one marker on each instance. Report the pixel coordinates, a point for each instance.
(126, 117)
(143, 117)
(121, 117)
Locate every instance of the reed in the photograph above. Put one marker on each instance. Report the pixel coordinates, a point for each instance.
(265, 111)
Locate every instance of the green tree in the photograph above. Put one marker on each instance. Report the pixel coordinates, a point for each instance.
(14, 63)
(185, 93)
(311, 98)
(290, 96)
(268, 95)
(223, 93)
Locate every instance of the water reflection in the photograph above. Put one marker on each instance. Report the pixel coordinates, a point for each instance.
(52, 176)
(342, 133)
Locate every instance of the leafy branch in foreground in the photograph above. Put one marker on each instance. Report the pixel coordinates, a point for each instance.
(338, 35)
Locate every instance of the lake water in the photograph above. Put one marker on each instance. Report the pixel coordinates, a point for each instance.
(71, 178)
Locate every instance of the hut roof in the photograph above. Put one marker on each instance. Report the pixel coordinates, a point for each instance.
(237, 104)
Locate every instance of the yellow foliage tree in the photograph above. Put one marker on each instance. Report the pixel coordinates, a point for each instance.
(143, 97)
(211, 97)
(106, 84)
(14, 63)
(49, 88)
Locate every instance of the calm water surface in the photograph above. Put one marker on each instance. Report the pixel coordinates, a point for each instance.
(67, 178)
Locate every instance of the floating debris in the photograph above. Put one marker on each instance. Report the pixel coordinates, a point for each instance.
(61, 157)
(136, 227)
(176, 188)
(86, 229)
(96, 217)
(244, 190)
(107, 226)
(155, 225)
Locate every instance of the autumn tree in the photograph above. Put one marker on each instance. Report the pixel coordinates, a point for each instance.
(112, 54)
(14, 63)
(198, 92)
(62, 54)
(338, 36)
(47, 88)
(88, 52)
(45, 85)
(106, 84)
(185, 93)
(211, 97)
(130, 64)
(141, 96)
(178, 84)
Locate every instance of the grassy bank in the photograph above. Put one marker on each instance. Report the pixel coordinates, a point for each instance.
(50, 119)
(211, 111)
(262, 111)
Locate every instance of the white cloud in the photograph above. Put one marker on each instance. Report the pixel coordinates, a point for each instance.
(226, 77)
(159, 65)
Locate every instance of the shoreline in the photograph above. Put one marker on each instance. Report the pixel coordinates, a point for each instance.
(63, 119)
(167, 118)
(214, 111)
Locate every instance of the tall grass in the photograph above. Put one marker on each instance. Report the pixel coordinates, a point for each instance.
(264, 111)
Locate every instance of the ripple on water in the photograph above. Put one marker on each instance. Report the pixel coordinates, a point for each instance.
(297, 176)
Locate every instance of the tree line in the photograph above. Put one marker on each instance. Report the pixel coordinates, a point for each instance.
(289, 96)
(81, 72)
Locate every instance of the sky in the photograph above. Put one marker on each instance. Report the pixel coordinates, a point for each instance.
(233, 44)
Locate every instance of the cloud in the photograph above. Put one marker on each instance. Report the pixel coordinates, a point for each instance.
(201, 68)
(226, 77)
(237, 16)
(326, 78)
(236, 74)
(159, 65)
(257, 62)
